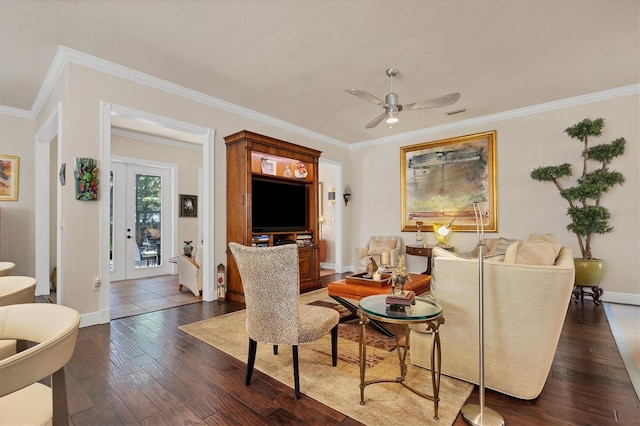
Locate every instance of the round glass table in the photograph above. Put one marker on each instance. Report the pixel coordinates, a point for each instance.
(422, 311)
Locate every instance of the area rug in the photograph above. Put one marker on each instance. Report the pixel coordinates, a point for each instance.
(339, 387)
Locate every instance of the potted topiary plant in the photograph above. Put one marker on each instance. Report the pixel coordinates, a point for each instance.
(585, 211)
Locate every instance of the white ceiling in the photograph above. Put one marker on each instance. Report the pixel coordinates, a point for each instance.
(292, 60)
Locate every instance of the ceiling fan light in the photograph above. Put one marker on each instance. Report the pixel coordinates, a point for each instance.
(392, 117)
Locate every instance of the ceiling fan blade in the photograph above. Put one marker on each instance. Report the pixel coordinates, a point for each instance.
(373, 123)
(365, 95)
(434, 103)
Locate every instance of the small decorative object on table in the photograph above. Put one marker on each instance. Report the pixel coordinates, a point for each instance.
(419, 235)
(385, 259)
(187, 249)
(372, 267)
(442, 232)
(399, 277)
(405, 300)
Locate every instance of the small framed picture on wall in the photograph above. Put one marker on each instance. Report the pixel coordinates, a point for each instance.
(188, 205)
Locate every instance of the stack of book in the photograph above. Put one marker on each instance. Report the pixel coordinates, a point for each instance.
(407, 299)
(304, 240)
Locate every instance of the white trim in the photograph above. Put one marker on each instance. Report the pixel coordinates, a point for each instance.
(65, 55)
(206, 138)
(339, 214)
(614, 297)
(604, 95)
(104, 313)
(51, 127)
(155, 139)
(16, 112)
(625, 353)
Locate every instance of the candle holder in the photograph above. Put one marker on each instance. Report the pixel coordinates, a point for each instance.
(385, 259)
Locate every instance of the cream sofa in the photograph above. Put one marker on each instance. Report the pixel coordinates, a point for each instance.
(524, 310)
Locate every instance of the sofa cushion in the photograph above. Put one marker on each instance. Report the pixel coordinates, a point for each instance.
(532, 252)
(379, 247)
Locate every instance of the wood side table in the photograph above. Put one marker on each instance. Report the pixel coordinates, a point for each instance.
(425, 251)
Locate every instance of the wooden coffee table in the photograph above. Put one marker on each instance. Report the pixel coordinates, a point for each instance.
(344, 292)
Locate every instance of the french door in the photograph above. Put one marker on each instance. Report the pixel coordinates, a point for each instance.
(141, 221)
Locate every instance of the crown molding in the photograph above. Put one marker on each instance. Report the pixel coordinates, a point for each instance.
(604, 95)
(16, 112)
(65, 55)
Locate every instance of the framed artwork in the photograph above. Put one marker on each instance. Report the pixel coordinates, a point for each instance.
(268, 166)
(188, 205)
(86, 179)
(9, 175)
(441, 179)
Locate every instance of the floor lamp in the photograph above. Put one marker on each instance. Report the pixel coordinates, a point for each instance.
(479, 415)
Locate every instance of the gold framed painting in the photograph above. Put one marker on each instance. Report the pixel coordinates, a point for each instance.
(441, 179)
(9, 175)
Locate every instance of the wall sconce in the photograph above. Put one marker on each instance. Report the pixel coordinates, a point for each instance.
(332, 195)
(347, 194)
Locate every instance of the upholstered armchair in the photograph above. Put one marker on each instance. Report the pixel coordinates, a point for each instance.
(190, 271)
(270, 278)
(374, 248)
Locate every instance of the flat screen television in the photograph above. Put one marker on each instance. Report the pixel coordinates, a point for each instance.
(278, 206)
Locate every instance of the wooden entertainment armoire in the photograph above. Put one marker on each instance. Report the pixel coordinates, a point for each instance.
(253, 156)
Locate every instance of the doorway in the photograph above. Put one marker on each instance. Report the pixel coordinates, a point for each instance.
(141, 220)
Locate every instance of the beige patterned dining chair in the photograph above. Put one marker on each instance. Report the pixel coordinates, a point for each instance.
(274, 314)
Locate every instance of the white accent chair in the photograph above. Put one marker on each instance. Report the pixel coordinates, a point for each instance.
(376, 246)
(190, 270)
(24, 400)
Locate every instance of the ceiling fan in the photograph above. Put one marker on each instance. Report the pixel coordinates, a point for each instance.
(392, 107)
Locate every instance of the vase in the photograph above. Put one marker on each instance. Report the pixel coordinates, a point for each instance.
(187, 248)
(589, 273)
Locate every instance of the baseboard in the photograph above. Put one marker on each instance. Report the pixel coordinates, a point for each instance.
(624, 298)
(93, 318)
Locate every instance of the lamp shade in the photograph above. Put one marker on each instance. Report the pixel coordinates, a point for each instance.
(442, 232)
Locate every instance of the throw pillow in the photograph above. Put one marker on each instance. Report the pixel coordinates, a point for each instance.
(500, 247)
(532, 252)
(544, 237)
(378, 246)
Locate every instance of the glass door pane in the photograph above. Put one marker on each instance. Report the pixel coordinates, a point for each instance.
(148, 219)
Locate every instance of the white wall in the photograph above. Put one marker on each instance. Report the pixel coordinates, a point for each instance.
(17, 233)
(81, 122)
(524, 205)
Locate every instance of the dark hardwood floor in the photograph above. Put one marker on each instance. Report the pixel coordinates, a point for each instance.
(142, 370)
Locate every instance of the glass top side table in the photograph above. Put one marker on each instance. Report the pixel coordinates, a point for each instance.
(423, 311)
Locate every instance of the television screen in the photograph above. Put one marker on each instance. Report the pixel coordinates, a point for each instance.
(278, 206)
